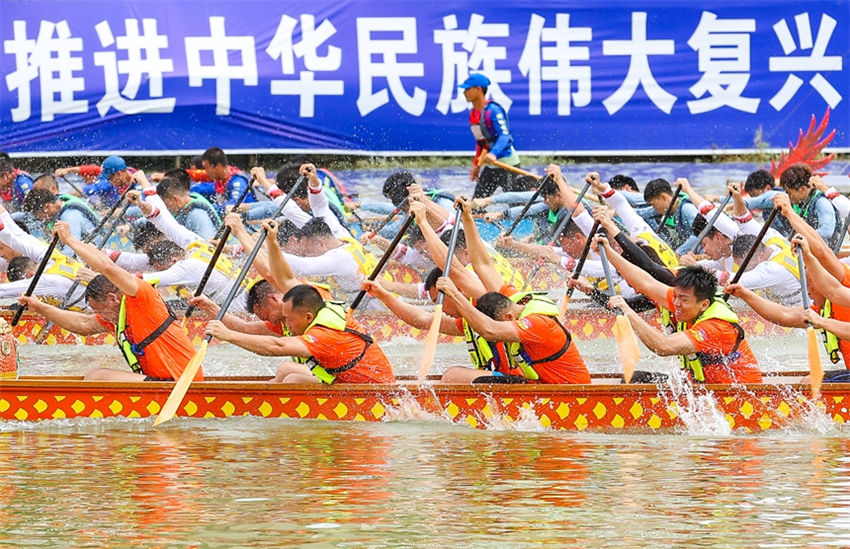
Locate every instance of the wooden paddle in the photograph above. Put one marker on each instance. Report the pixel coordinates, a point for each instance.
(626, 342)
(752, 252)
(560, 227)
(34, 281)
(662, 225)
(844, 226)
(815, 368)
(520, 171)
(169, 409)
(434, 330)
(387, 220)
(386, 257)
(709, 224)
(562, 310)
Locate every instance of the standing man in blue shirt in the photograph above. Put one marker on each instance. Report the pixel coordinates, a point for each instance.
(489, 124)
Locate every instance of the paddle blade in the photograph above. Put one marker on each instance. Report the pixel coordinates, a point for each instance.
(815, 367)
(431, 343)
(562, 309)
(169, 409)
(627, 346)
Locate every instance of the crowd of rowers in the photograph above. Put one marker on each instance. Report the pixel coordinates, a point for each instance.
(513, 334)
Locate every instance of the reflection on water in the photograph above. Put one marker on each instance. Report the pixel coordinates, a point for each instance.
(254, 482)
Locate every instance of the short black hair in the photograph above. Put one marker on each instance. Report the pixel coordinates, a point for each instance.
(37, 199)
(45, 180)
(621, 181)
(172, 186)
(259, 293)
(6, 165)
(431, 277)
(548, 187)
(287, 177)
(197, 162)
(99, 287)
(493, 304)
(446, 239)
(215, 156)
(657, 187)
(395, 186)
(758, 180)
(703, 281)
(795, 177)
(179, 174)
(699, 224)
(316, 227)
(286, 230)
(570, 230)
(743, 243)
(304, 296)
(144, 234)
(164, 251)
(19, 267)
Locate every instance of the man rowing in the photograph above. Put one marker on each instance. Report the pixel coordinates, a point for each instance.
(154, 346)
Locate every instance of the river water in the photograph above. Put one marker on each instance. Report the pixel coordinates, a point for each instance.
(248, 482)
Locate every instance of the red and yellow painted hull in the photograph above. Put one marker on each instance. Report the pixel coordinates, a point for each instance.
(587, 324)
(608, 407)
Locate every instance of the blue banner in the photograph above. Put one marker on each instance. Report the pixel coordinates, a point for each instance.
(620, 77)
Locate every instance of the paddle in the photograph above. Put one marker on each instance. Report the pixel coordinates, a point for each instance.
(520, 171)
(386, 257)
(558, 229)
(815, 368)
(90, 238)
(34, 281)
(386, 220)
(434, 330)
(542, 181)
(710, 224)
(77, 189)
(753, 249)
(662, 225)
(623, 331)
(844, 226)
(169, 409)
(562, 311)
(223, 228)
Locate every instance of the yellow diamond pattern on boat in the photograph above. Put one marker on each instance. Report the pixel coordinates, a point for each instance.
(96, 413)
(488, 413)
(599, 410)
(472, 420)
(765, 422)
(730, 420)
(59, 413)
(581, 401)
(618, 400)
(837, 418)
(134, 413)
(40, 406)
(618, 421)
(359, 401)
(654, 422)
(340, 410)
(4, 405)
(265, 409)
(359, 417)
(471, 401)
(60, 398)
(746, 409)
(837, 399)
(654, 400)
(545, 421)
(728, 400)
(378, 410)
(247, 400)
(321, 401)
(783, 408)
(452, 410)
(562, 410)
(21, 414)
(153, 407)
(116, 407)
(78, 406)
(303, 409)
(587, 329)
(636, 410)
(97, 398)
(581, 422)
(673, 410)
(191, 408)
(132, 399)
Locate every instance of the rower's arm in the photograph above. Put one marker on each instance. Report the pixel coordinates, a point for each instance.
(659, 342)
(819, 247)
(768, 310)
(640, 280)
(488, 328)
(478, 255)
(824, 280)
(262, 344)
(838, 327)
(99, 261)
(79, 323)
(230, 321)
(280, 273)
(410, 314)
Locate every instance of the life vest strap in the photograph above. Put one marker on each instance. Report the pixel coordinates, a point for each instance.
(139, 348)
(353, 362)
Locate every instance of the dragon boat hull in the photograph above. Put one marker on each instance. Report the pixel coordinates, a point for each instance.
(598, 407)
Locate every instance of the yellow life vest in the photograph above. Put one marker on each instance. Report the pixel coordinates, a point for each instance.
(694, 362)
(204, 252)
(332, 315)
(830, 340)
(786, 256)
(540, 305)
(366, 262)
(480, 352)
(132, 351)
(507, 272)
(63, 266)
(662, 249)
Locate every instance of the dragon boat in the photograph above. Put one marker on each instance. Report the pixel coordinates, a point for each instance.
(606, 405)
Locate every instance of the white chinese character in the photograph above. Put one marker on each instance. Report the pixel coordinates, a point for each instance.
(724, 61)
(49, 59)
(562, 71)
(476, 55)
(389, 67)
(221, 70)
(307, 87)
(816, 61)
(639, 49)
(136, 66)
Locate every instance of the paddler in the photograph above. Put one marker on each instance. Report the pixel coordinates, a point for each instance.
(154, 346)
